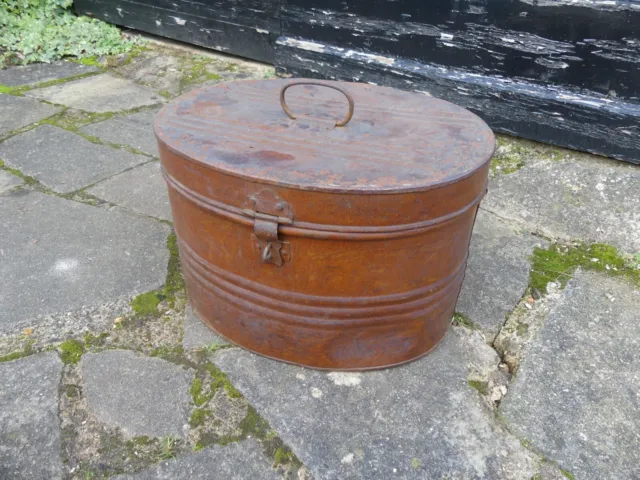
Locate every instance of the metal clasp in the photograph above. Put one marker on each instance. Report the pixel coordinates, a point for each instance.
(268, 211)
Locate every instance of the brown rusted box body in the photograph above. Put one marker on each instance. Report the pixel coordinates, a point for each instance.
(337, 247)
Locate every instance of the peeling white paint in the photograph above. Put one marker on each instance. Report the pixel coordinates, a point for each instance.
(260, 30)
(446, 36)
(369, 57)
(158, 23)
(119, 11)
(304, 45)
(179, 21)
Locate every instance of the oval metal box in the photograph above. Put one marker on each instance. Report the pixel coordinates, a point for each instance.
(336, 247)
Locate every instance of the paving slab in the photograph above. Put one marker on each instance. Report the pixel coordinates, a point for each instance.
(576, 395)
(159, 72)
(42, 72)
(99, 93)
(141, 189)
(59, 255)
(140, 395)
(173, 71)
(64, 161)
(581, 198)
(135, 130)
(9, 181)
(417, 421)
(18, 112)
(197, 334)
(236, 461)
(497, 272)
(29, 427)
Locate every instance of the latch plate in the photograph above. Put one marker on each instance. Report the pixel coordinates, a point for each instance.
(265, 226)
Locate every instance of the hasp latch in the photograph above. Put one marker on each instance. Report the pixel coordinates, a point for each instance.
(269, 211)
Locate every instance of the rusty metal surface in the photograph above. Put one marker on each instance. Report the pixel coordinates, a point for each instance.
(396, 140)
(356, 276)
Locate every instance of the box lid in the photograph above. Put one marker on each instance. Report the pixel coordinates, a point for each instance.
(395, 141)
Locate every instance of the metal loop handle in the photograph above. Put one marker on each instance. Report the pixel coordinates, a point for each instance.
(341, 123)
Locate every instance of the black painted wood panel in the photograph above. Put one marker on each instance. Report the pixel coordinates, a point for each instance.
(247, 28)
(541, 42)
(553, 115)
(566, 72)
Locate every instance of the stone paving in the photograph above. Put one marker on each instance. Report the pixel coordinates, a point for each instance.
(107, 372)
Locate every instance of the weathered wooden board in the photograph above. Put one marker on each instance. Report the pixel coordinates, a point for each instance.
(246, 28)
(595, 45)
(566, 72)
(544, 113)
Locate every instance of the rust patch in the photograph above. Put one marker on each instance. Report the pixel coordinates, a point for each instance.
(272, 155)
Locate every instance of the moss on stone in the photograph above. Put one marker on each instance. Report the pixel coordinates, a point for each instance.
(463, 321)
(558, 262)
(197, 396)
(415, 463)
(482, 387)
(220, 380)
(27, 350)
(57, 81)
(567, 474)
(254, 425)
(91, 61)
(282, 456)
(8, 90)
(195, 71)
(509, 157)
(14, 171)
(198, 416)
(73, 120)
(148, 302)
(173, 354)
(145, 303)
(72, 391)
(175, 280)
(71, 351)
(91, 340)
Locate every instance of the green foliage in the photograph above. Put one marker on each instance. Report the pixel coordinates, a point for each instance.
(168, 448)
(47, 30)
